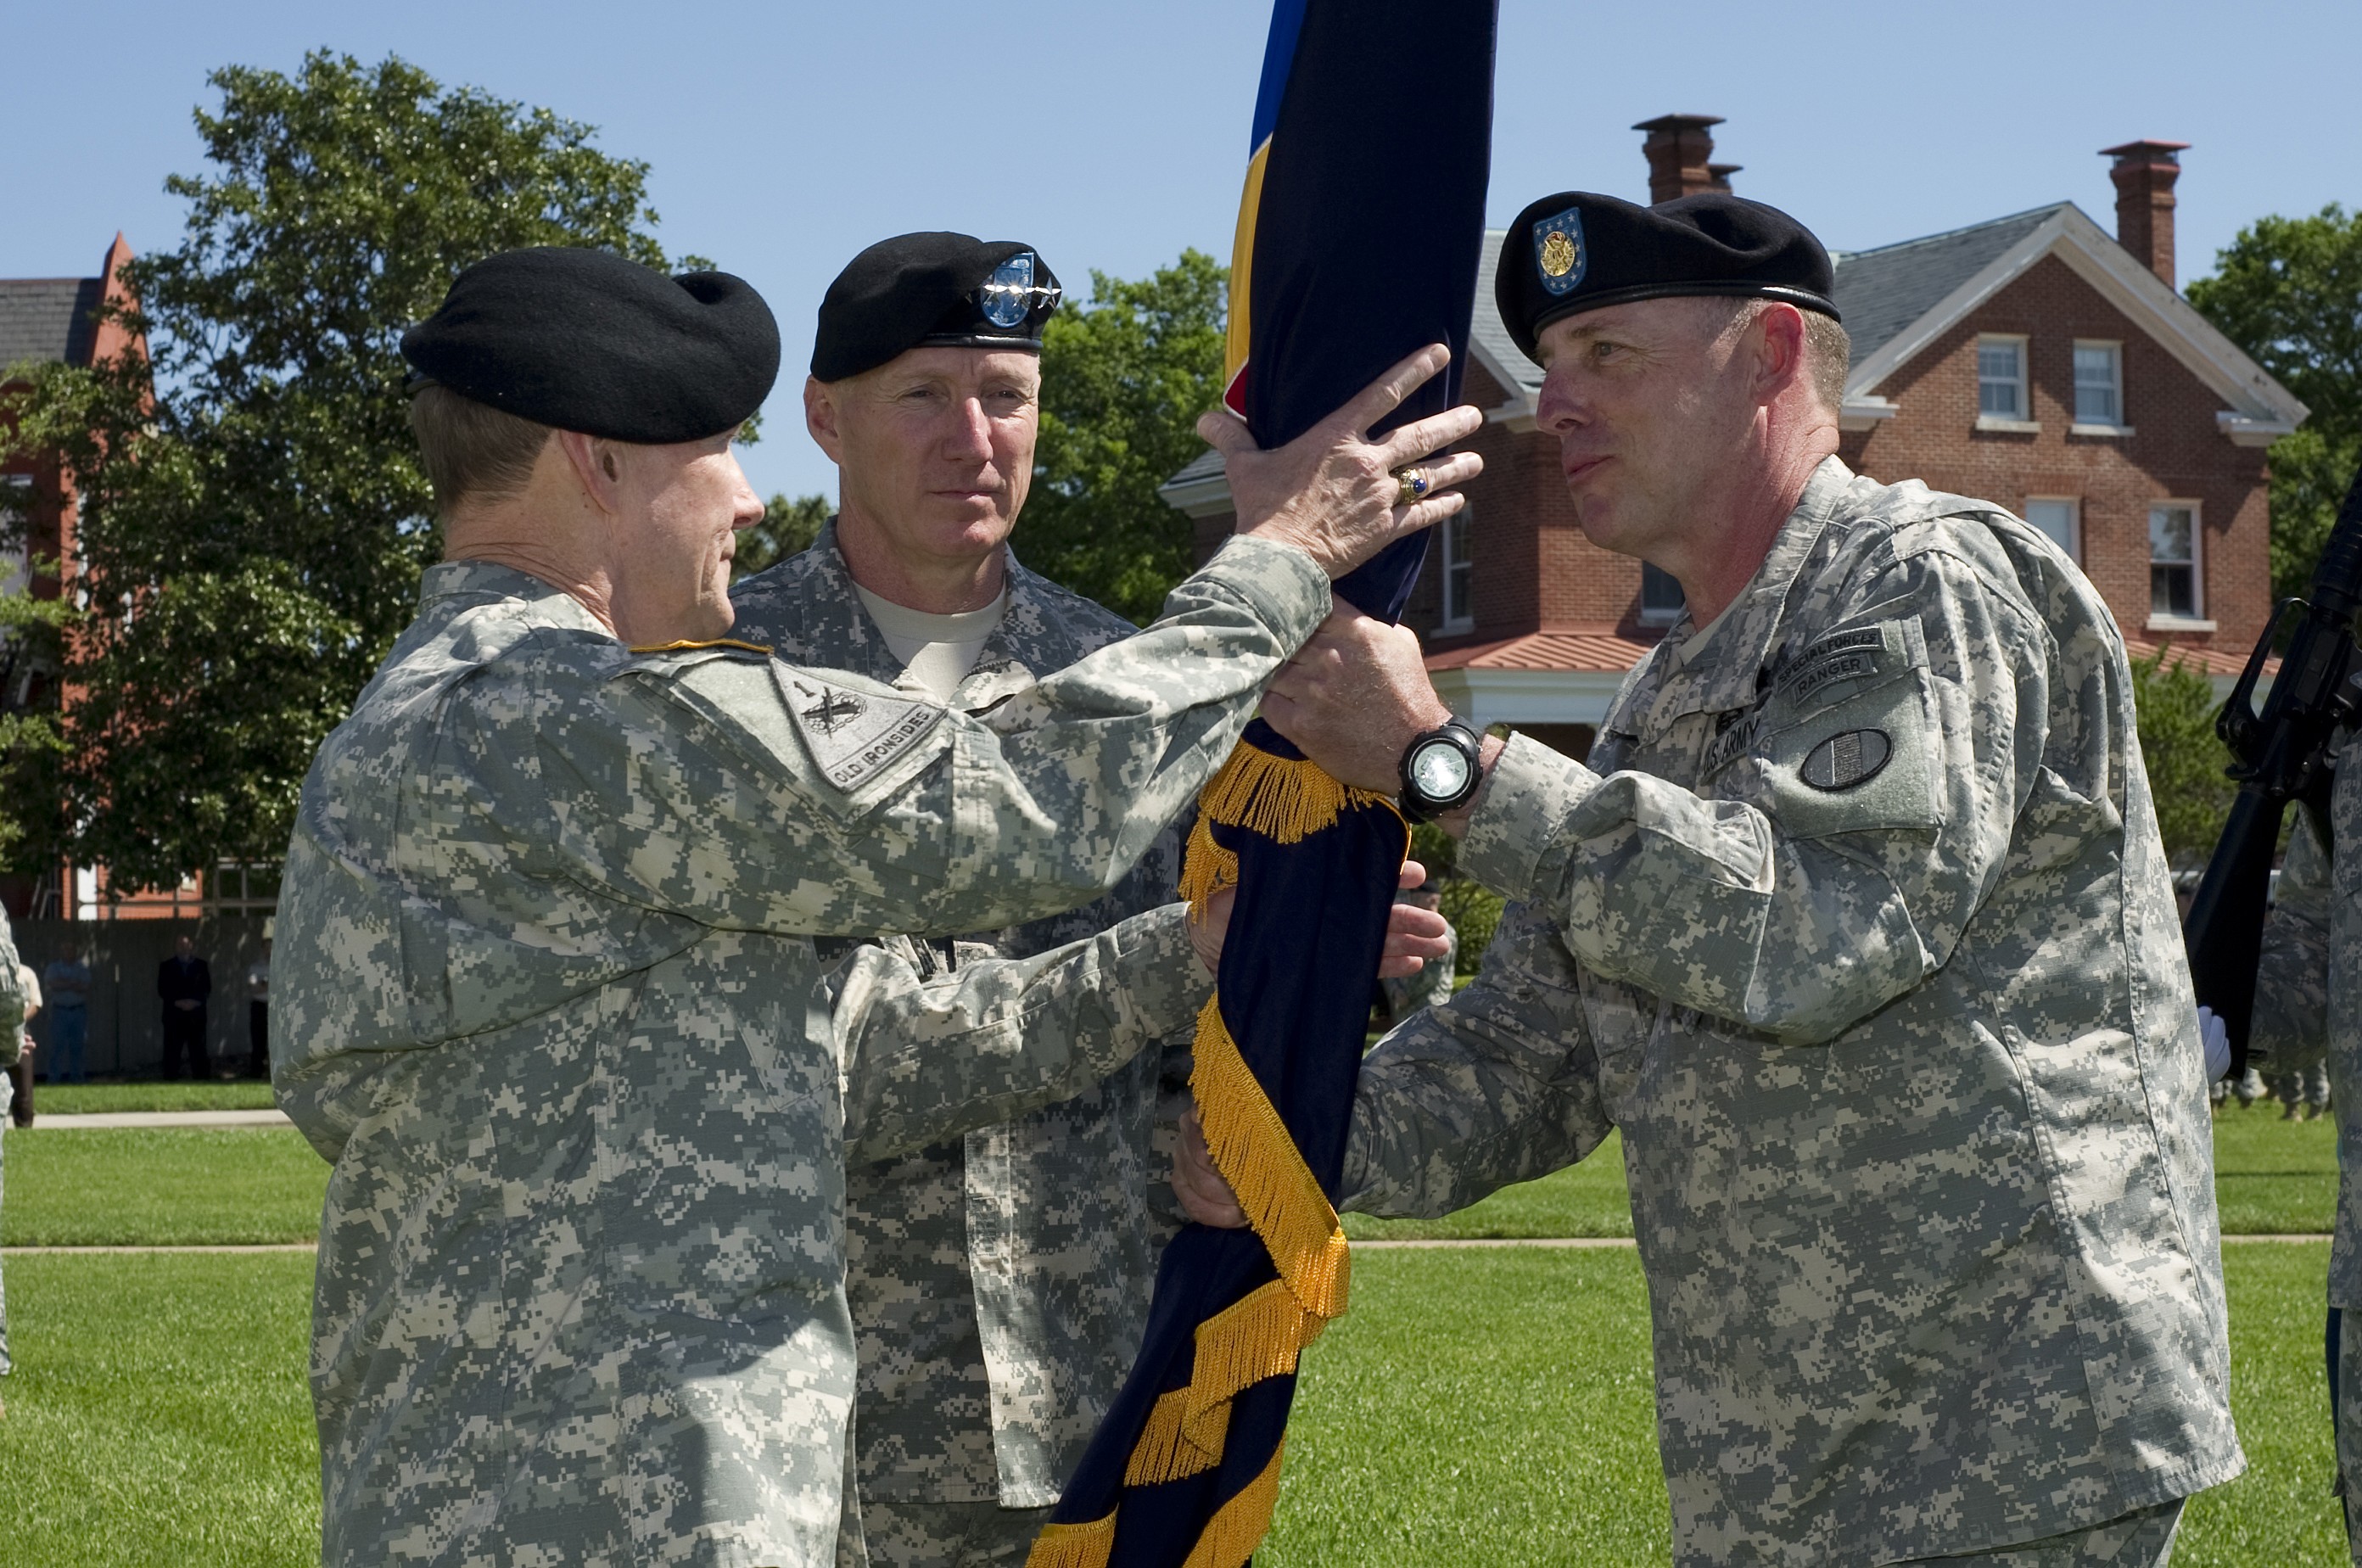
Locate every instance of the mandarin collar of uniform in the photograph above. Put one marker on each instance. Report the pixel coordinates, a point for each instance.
(486, 582)
(1714, 669)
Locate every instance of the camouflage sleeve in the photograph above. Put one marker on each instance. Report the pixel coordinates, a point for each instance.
(928, 1060)
(1500, 1086)
(12, 998)
(746, 792)
(1860, 816)
(2292, 1019)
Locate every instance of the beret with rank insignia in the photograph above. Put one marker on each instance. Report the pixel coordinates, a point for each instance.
(938, 288)
(1578, 251)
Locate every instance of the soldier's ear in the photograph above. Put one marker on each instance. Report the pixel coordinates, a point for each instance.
(597, 467)
(821, 418)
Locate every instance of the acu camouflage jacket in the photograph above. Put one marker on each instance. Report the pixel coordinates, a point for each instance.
(1860, 929)
(998, 1283)
(2309, 990)
(548, 999)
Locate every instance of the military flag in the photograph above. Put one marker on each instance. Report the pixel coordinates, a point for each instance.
(1358, 243)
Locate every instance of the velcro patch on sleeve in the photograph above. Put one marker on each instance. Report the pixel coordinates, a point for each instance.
(854, 736)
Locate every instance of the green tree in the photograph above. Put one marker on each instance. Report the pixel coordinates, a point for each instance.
(2185, 759)
(788, 528)
(2288, 291)
(1123, 381)
(253, 520)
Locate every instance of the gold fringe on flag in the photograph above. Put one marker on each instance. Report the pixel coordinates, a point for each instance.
(1252, 1150)
(1206, 867)
(1072, 1545)
(1285, 800)
(1262, 1334)
(1239, 1525)
(1165, 1451)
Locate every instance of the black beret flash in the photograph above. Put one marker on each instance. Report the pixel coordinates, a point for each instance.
(931, 288)
(1578, 251)
(586, 340)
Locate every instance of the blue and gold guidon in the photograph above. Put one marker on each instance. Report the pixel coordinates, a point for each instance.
(1561, 258)
(1185, 1469)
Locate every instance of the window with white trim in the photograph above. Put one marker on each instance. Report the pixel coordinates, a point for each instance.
(2173, 578)
(1458, 574)
(2099, 383)
(2061, 517)
(2000, 379)
(1660, 596)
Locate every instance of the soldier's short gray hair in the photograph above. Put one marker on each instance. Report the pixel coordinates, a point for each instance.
(472, 450)
(1828, 347)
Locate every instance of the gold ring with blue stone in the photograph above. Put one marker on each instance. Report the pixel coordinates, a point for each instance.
(1415, 483)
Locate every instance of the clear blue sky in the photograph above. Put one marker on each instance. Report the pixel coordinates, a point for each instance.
(785, 138)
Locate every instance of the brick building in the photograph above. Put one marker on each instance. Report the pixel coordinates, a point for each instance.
(2033, 361)
(57, 320)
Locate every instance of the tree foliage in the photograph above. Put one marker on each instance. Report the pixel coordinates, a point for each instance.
(1123, 381)
(2288, 291)
(788, 528)
(253, 520)
(2176, 705)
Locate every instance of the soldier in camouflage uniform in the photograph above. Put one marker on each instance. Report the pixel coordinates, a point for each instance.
(18, 991)
(550, 999)
(2308, 1008)
(1857, 925)
(999, 1281)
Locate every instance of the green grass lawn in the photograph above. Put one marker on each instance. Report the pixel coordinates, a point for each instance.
(66, 1099)
(2273, 1176)
(1488, 1407)
(158, 1414)
(1481, 1408)
(161, 1186)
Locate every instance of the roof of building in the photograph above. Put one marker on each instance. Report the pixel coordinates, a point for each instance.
(1879, 292)
(48, 318)
(1597, 649)
(1489, 335)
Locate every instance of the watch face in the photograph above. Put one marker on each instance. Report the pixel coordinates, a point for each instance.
(1439, 770)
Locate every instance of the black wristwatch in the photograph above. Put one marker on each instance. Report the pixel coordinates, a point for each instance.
(1440, 770)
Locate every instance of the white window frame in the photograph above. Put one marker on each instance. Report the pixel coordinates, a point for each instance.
(2078, 424)
(2022, 422)
(1657, 616)
(1454, 612)
(2196, 621)
(2074, 505)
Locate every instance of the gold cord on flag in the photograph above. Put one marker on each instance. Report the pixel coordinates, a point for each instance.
(1285, 799)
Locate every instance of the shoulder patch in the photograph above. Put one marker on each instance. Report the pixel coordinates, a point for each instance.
(683, 645)
(853, 734)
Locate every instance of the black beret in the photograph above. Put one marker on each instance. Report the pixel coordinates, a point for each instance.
(1578, 251)
(585, 340)
(941, 288)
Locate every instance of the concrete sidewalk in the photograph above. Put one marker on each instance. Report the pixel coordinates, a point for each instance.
(44, 1120)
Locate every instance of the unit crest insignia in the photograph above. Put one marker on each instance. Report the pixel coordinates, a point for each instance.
(853, 734)
(1558, 254)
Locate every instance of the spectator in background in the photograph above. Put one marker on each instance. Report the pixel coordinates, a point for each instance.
(258, 1015)
(16, 1004)
(66, 983)
(1431, 987)
(184, 981)
(20, 1108)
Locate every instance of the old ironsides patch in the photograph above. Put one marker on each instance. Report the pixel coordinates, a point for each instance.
(1843, 761)
(853, 734)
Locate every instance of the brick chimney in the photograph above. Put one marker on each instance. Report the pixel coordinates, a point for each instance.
(2145, 172)
(1679, 151)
